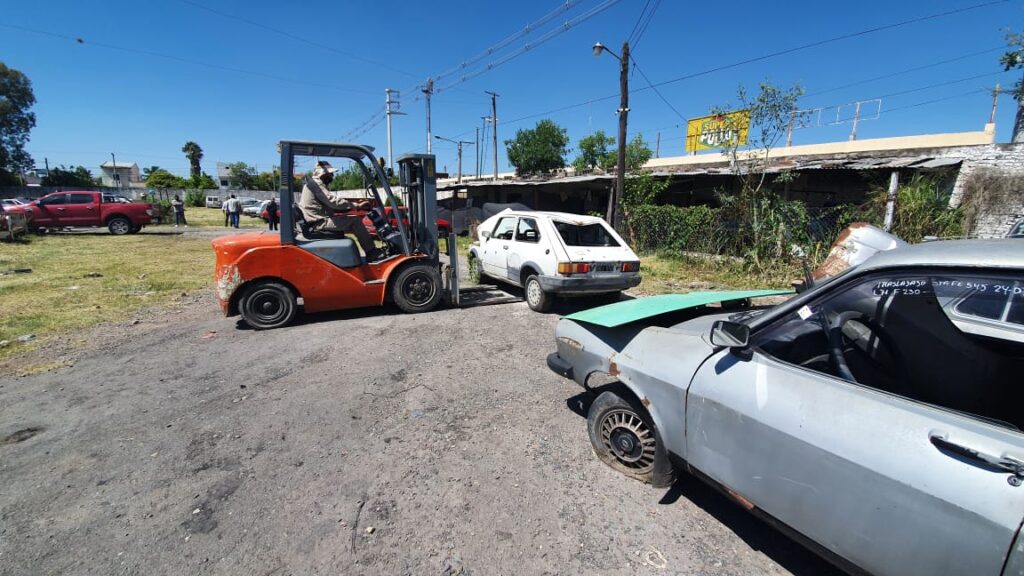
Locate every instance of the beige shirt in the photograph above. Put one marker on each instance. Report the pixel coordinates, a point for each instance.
(318, 203)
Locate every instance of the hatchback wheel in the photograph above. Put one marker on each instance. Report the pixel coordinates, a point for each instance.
(536, 298)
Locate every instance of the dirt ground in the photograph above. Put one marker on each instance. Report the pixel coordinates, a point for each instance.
(351, 443)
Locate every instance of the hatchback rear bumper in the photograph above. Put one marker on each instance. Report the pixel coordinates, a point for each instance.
(587, 285)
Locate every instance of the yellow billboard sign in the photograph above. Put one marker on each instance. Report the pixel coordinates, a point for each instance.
(717, 131)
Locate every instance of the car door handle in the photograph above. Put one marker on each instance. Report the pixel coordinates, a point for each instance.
(60, 209)
(1005, 462)
(505, 247)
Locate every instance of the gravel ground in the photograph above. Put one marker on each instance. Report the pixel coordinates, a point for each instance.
(356, 442)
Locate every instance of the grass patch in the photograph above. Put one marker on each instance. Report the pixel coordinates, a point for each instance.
(214, 218)
(666, 275)
(61, 294)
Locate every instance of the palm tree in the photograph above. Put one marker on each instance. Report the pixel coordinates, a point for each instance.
(147, 171)
(194, 154)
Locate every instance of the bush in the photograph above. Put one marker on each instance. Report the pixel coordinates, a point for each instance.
(195, 198)
(693, 229)
(165, 210)
(922, 209)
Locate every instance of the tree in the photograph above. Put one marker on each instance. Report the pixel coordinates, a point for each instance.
(241, 176)
(637, 154)
(541, 149)
(594, 152)
(194, 154)
(163, 179)
(147, 171)
(350, 178)
(16, 121)
(1013, 59)
(74, 176)
(202, 182)
(763, 221)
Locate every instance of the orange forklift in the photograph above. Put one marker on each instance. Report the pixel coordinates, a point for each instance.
(269, 277)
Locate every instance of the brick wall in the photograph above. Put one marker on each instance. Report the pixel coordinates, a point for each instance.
(1002, 166)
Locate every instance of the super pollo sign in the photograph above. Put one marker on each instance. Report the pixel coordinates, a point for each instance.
(717, 131)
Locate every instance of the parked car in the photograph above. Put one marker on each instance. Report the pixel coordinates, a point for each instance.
(64, 209)
(213, 202)
(443, 227)
(553, 254)
(876, 415)
(12, 202)
(1017, 230)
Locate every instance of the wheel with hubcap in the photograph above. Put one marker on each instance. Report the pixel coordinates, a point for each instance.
(267, 305)
(536, 298)
(417, 288)
(119, 226)
(623, 437)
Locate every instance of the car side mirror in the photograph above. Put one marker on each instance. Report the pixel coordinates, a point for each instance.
(485, 234)
(730, 334)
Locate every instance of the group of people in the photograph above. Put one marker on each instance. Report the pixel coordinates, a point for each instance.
(232, 208)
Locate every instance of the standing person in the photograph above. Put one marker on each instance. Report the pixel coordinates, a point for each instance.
(234, 210)
(179, 211)
(319, 206)
(272, 218)
(224, 209)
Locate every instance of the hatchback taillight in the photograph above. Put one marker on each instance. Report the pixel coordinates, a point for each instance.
(568, 268)
(630, 266)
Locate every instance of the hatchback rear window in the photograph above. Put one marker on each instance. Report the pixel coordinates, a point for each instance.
(585, 234)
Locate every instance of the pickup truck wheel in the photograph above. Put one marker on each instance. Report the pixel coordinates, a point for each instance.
(474, 269)
(119, 226)
(417, 289)
(624, 438)
(536, 298)
(267, 305)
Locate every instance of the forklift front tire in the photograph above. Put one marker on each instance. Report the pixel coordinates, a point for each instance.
(417, 289)
(267, 305)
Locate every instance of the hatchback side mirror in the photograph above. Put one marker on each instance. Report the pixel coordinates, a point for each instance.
(485, 234)
(730, 334)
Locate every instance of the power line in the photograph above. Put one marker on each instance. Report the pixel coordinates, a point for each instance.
(636, 41)
(636, 67)
(830, 41)
(565, 27)
(528, 29)
(297, 38)
(926, 102)
(902, 72)
(638, 20)
(79, 40)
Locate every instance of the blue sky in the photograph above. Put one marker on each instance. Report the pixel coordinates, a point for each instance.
(237, 76)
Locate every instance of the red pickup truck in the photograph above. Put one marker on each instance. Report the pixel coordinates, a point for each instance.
(63, 209)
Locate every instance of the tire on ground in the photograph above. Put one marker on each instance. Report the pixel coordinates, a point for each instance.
(536, 298)
(119, 225)
(624, 437)
(417, 288)
(267, 305)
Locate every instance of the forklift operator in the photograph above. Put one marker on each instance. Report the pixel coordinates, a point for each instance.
(318, 205)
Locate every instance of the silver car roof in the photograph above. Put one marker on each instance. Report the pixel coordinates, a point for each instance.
(994, 253)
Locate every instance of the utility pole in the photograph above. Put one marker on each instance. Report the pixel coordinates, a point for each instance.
(615, 198)
(47, 162)
(789, 129)
(429, 90)
(657, 146)
(458, 144)
(476, 150)
(890, 201)
(113, 168)
(388, 102)
(856, 119)
(494, 123)
(995, 101)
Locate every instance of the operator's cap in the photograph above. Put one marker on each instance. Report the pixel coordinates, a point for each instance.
(323, 166)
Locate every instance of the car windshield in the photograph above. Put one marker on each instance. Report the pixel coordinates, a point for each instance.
(588, 235)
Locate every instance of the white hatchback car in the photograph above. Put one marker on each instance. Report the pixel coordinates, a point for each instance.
(552, 254)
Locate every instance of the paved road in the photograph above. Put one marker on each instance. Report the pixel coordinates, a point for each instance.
(352, 443)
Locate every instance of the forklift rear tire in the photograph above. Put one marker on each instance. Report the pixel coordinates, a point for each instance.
(417, 289)
(267, 305)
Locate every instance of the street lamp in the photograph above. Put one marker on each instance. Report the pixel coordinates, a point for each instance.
(620, 169)
(458, 143)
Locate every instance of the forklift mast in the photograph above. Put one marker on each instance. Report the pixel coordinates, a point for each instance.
(418, 174)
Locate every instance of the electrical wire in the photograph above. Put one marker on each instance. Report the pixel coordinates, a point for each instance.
(638, 20)
(80, 40)
(636, 41)
(636, 67)
(298, 38)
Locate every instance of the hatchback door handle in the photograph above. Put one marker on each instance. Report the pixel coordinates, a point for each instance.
(505, 247)
(1005, 462)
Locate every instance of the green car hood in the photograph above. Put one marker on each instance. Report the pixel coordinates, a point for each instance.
(621, 313)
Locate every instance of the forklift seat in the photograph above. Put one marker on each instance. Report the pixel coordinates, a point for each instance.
(341, 252)
(307, 232)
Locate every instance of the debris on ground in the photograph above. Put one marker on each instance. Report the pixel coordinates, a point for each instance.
(16, 271)
(92, 275)
(26, 338)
